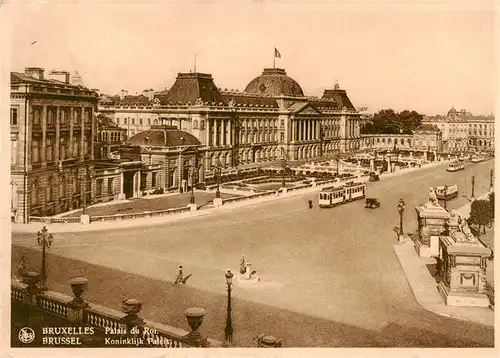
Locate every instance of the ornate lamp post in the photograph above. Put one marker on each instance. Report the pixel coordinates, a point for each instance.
(218, 175)
(45, 241)
(491, 178)
(337, 159)
(445, 192)
(473, 182)
(229, 324)
(401, 210)
(283, 167)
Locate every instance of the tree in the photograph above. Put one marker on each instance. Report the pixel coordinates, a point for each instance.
(491, 197)
(387, 121)
(480, 214)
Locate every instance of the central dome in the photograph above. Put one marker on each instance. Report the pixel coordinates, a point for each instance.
(274, 81)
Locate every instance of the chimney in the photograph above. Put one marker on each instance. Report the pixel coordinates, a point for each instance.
(34, 72)
(96, 90)
(62, 76)
(123, 93)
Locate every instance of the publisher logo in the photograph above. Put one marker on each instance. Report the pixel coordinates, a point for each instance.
(26, 335)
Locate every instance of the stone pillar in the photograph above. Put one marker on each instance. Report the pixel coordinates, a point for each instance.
(58, 134)
(43, 150)
(138, 191)
(92, 133)
(121, 196)
(230, 133)
(372, 164)
(82, 134)
(208, 141)
(71, 115)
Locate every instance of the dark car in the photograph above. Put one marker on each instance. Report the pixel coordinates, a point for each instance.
(372, 203)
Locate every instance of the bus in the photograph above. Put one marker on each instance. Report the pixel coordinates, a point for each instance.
(336, 195)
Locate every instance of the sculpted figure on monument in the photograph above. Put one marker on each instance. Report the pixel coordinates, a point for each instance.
(464, 228)
(433, 197)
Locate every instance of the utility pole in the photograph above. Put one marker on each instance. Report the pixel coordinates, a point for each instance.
(473, 182)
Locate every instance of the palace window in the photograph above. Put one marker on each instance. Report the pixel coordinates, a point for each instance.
(76, 186)
(34, 193)
(48, 191)
(133, 120)
(35, 152)
(153, 180)
(62, 148)
(50, 116)
(110, 185)
(49, 149)
(99, 184)
(36, 115)
(13, 153)
(62, 187)
(13, 116)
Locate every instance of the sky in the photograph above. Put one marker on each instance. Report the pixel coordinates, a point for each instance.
(386, 55)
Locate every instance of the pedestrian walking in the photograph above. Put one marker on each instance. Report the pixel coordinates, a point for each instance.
(310, 204)
(242, 265)
(179, 277)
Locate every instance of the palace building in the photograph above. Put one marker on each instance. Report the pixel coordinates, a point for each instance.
(269, 119)
(52, 129)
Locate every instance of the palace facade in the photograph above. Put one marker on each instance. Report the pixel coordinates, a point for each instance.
(270, 119)
(52, 129)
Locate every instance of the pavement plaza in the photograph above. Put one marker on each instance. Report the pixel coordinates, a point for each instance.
(324, 283)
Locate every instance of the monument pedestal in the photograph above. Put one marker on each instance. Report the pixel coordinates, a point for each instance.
(431, 219)
(462, 266)
(121, 196)
(192, 207)
(217, 202)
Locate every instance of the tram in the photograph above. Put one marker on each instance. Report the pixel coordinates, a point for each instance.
(455, 166)
(447, 192)
(336, 195)
(476, 159)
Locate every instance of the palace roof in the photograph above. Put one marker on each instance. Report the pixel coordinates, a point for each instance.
(163, 136)
(274, 82)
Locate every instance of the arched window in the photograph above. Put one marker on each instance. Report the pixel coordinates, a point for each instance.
(195, 124)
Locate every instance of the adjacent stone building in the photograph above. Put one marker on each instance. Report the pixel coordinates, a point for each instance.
(52, 129)
(464, 132)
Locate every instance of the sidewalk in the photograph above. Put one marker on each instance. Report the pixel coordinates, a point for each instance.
(119, 224)
(424, 288)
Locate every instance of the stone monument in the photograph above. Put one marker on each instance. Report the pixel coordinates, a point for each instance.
(431, 220)
(462, 266)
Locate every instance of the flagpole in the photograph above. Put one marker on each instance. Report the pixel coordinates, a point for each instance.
(274, 58)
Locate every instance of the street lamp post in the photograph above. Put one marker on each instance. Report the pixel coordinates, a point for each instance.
(218, 174)
(337, 159)
(283, 167)
(229, 323)
(401, 209)
(45, 241)
(445, 192)
(473, 182)
(491, 178)
(191, 197)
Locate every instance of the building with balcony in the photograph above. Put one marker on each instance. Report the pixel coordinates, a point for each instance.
(52, 130)
(464, 132)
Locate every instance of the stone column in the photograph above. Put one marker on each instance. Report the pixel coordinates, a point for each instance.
(122, 186)
(58, 134)
(207, 132)
(82, 133)
(92, 133)
(44, 136)
(138, 191)
(293, 129)
(229, 132)
(71, 115)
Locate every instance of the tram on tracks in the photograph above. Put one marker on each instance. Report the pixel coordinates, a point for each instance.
(447, 192)
(336, 195)
(455, 166)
